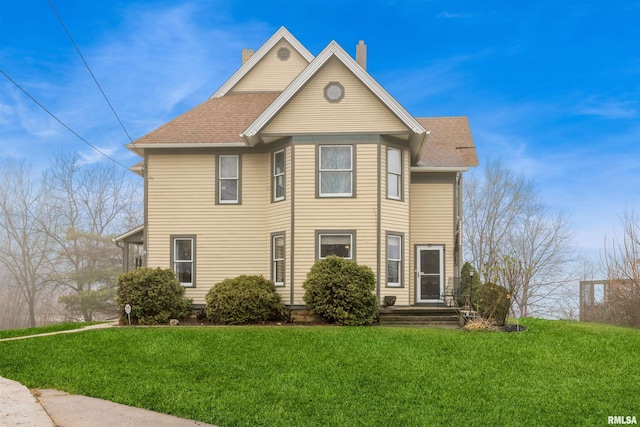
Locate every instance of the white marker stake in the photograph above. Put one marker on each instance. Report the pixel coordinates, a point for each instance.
(127, 309)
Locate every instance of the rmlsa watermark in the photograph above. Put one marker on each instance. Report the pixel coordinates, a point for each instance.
(619, 419)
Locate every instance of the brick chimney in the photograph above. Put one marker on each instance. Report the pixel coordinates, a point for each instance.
(246, 54)
(361, 54)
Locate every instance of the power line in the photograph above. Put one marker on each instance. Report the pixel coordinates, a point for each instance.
(89, 69)
(60, 121)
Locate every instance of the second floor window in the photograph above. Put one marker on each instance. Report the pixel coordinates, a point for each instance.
(228, 179)
(394, 173)
(278, 175)
(335, 170)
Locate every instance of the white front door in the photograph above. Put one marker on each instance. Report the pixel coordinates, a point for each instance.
(430, 274)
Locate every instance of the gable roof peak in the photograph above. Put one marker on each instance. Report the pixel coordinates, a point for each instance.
(333, 49)
(281, 34)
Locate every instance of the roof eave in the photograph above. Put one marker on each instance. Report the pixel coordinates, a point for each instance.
(439, 168)
(128, 234)
(417, 143)
(139, 148)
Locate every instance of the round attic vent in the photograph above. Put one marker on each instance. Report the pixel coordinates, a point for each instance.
(334, 92)
(284, 54)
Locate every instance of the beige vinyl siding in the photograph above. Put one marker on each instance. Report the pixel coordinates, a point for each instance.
(394, 218)
(278, 218)
(271, 74)
(359, 110)
(432, 218)
(231, 239)
(314, 214)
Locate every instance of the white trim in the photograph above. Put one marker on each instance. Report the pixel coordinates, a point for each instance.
(333, 49)
(274, 260)
(399, 175)
(320, 235)
(128, 234)
(440, 249)
(439, 168)
(397, 284)
(230, 178)
(136, 148)
(282, 33)
(275, 176)
(191, 261)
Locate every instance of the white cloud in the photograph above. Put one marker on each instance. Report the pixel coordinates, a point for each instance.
(159, 61)
(452, 15)
(608, 109)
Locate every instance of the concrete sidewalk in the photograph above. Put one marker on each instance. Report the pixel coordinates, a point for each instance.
(18, 407)
(49, 408)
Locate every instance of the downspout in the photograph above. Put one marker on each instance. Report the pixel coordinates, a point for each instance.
(460, 257)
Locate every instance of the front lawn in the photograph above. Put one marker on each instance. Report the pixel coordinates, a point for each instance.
(555, 373)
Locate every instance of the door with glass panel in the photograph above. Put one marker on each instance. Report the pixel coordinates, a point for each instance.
(429, 274)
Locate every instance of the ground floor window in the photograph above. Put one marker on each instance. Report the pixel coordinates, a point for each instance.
(336, 243)
(183, 259)
(394, 260)
(278, 259)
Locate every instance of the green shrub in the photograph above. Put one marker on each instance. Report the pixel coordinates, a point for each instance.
(341, 291)
(244, 299)
(492, 302)
(155, 296)
(465, 283)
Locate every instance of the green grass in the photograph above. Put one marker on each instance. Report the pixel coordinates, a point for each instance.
(555, 373)
(12, 333)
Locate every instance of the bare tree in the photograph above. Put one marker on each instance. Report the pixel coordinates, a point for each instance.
(95, 202)
(12, 313)
(493, 202)
(621, 261)
(27, 251)
(515, 240)
(536, 269)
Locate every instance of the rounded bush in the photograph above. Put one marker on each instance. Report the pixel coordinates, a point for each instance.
(154, 294)
(492, 302)
(244, 299)
(341, 291)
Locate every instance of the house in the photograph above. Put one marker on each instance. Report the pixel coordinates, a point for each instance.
(297, 157)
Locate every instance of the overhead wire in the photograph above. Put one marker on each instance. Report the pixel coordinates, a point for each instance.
(89, 69)
(60, 121)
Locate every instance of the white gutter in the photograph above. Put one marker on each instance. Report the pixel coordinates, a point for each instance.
(136, 147)
(439, 168)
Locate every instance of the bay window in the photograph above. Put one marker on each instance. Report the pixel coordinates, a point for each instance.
(278, 175)
(335, 170)
(394, 174)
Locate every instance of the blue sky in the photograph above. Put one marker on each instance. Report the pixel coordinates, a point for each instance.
(552, 88)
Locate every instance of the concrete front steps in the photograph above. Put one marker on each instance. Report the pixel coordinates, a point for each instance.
(420, 316)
